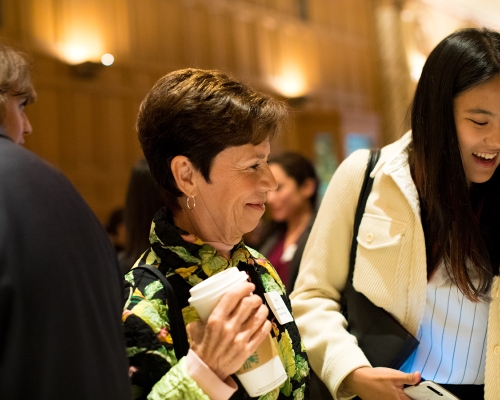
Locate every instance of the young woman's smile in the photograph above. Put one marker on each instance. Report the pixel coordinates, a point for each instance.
(477, 119)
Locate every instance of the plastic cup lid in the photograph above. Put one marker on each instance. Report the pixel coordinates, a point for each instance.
(220, 288)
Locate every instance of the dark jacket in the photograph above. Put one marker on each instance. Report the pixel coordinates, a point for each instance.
(60, 289)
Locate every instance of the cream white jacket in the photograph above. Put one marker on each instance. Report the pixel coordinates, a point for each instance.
(390, 266)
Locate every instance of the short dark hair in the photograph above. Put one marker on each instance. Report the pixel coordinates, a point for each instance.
(198, 113)
(461, 61)
(299, 168)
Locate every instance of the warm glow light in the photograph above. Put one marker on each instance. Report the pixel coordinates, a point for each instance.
(416, 61)
(75, 54)
(79, 46)
(107, 59)
(290, 83)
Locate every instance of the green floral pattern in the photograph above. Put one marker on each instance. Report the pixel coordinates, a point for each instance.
(155, 371)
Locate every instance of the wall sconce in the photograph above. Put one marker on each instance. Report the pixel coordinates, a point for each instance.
(290, 85)
(90, 69)
(87, 69)
(296, 102)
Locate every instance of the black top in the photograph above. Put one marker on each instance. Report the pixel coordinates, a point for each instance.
(275, 230)
(60, 289)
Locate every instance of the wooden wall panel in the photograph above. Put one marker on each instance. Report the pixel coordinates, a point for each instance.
(86, 126)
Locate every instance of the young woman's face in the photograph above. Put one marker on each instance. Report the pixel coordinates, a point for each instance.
(288, 199)
(477, 118)
(16, 123)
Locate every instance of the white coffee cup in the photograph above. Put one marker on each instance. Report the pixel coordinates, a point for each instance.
(263, 371)
(205, 295)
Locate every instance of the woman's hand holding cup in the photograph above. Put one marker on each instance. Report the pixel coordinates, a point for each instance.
(233, 331)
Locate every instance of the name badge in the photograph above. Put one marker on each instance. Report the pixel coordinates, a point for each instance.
(278, 307)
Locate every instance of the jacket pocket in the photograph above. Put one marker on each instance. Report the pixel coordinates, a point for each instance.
(377, 259)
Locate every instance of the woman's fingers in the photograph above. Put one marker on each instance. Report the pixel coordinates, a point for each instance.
(259, 335)
(247, 308)
(254, 330)
(413, 378)
(233, 331)
(231, 299)
(380, 383)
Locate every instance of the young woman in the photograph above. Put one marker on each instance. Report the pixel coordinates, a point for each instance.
(293, 208)
(428, 243)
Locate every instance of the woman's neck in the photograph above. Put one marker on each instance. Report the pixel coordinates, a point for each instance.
(223, 248)
(187, 224)
(296, 225)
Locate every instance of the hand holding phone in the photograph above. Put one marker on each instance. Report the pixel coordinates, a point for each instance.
(428, 390)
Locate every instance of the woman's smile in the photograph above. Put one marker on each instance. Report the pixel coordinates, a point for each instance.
(487, 160)
(257, 206)
(477, 120)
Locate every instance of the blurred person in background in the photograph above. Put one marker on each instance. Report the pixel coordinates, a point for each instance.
(60, 283)
(142, 202)
(292, 209)
(115, 227)
(206, 138)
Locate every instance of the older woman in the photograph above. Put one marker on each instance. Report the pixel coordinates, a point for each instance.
(206, 138)
(58, 338)
(16, 92)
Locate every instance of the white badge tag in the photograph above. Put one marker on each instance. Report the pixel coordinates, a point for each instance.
(278, 307)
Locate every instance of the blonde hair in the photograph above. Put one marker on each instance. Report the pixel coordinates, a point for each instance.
(15, 79)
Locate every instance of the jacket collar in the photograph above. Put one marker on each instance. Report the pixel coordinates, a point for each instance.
(178, 251)
(3, 134)
(396, 165)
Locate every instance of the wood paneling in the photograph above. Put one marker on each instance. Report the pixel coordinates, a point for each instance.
(86, 126)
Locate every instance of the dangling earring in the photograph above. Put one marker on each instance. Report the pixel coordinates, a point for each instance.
(189, 206)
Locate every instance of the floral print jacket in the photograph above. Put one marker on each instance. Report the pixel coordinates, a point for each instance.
(155, 371)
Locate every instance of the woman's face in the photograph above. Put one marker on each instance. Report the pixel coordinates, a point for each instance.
(477, 118)
(16, 123)
(233, 202)
(288, 199)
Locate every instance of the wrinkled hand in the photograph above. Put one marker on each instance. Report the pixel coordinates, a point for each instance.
(380, 383)
(234, 330)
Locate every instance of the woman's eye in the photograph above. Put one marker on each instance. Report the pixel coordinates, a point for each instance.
(479, 123)
(256, 166)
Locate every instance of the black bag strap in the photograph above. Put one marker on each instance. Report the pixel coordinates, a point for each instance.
(360, 209)
(177, 328)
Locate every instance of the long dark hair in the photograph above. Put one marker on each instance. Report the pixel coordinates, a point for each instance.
(142, 202)
(460, 223)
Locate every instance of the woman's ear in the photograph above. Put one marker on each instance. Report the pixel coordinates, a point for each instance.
(308, 187)
(183, 172)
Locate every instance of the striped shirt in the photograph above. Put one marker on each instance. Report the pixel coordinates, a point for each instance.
(452, 336)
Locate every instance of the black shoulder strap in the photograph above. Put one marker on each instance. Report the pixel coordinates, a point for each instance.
(363, 197)
(177, 328)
